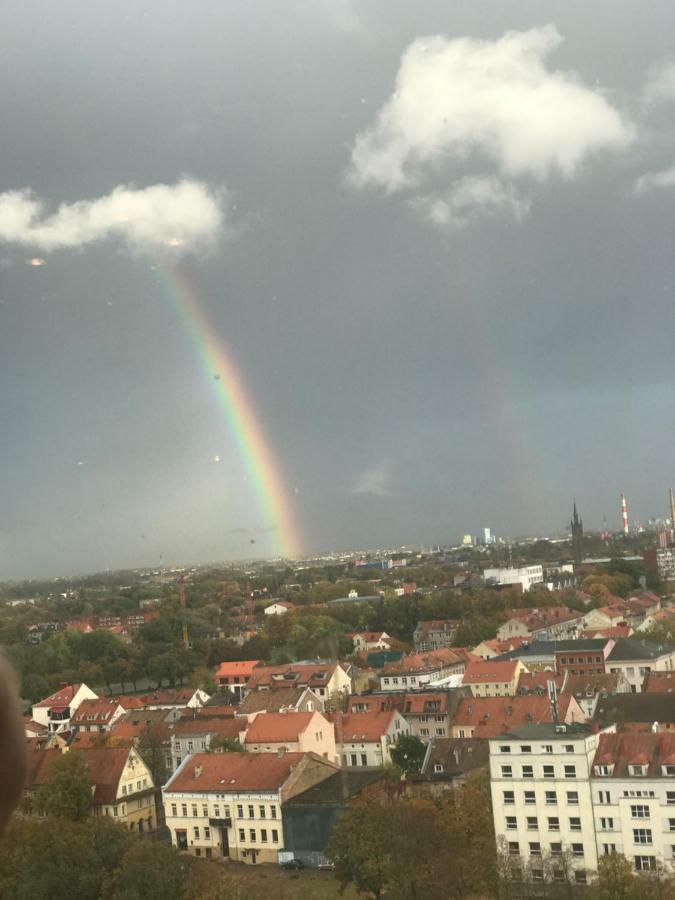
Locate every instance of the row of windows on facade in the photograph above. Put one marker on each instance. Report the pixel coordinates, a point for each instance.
(604, 797)
(140, 785)
(547, 771)
(643, 863)
(606, 823)
(226, 811)
(122, 810)
(527, 748)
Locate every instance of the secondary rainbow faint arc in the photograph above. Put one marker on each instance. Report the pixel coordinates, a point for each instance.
(237, 406)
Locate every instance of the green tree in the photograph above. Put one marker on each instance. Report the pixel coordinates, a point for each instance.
(408, 753)
(226, 745)
(148, 871)
(68, 793)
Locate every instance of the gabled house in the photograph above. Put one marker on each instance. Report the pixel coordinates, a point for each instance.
(551, 623)
(166, 698)
(55, 711)
(417, 670)
(491, 647)
(96, 715)
(279, 608)
(230, 804)
(365, 641)
(590, 689)
(450, 761)
(279, 700)
(188, 736)
(328, 679)
(121, 783)
(234, 676)
(487, 678)
(366, 739)
(634, 659)
(291, 732)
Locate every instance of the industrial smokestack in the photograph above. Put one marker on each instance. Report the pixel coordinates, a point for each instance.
(672, 508)
(624, 513)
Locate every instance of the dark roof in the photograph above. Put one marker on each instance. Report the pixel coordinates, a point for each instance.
(630, 648)
(337, 789)
(271, 701)
(457, 756)
(378, 658)
(646, 708)
(547, 730)
(550, 648)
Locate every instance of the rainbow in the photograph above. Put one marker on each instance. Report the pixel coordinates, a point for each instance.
(239, 411)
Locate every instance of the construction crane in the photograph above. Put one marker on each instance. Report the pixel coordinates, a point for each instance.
(183, 615)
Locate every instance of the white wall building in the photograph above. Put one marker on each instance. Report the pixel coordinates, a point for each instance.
(542, 796)
(527, 576)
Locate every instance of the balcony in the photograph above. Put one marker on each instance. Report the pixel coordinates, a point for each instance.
(221, 823)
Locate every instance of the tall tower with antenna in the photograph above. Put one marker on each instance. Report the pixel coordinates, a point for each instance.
(577, 529)
(624, 513)
(672, 509)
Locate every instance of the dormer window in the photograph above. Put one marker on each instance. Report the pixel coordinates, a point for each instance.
(637, 770)
(604, 770)
(668, 770)
(438, 767)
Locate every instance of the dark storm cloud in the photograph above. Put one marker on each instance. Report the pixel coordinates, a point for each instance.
(415, 381)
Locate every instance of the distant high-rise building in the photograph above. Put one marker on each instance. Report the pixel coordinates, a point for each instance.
(467, 540)
(577, 529)
(487, 536)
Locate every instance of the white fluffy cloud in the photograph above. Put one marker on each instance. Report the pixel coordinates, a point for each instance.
(456, 100)
(660, 86)
(185, 216)
(471, 196)
(654, 180)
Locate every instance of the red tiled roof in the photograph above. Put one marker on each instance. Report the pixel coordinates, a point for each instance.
(39, 765)
(63, 697)
(101, 711)
(429, 661)
(491, 716)
(240, 668)
(537, 682)
(614, 631)
(490, 672)
(631, 748)
(105, 767)
(659, 683)
(223, 772)
(292, 675)
(365, 727)
(275, 728)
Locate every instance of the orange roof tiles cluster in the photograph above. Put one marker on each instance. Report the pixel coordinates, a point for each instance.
(223, 772)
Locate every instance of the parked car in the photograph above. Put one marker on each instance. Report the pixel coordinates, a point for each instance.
(327, 866)
(293, 864)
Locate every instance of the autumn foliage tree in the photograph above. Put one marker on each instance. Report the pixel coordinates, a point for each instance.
(67, 794)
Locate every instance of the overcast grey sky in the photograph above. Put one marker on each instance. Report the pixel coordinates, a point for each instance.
(436, 237)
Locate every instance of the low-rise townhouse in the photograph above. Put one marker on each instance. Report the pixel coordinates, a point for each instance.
(364, 641)
(488, 678)
(590, 689)
(55, 711)
(121, 783)
(230, 804)
(435, 634)
(280, 700)
(417, 670)
(583, 657)
(634, 659)
(294, 732)
(365, 739)
(484, 717)
(540, 779)
(551, 623)
(429, 713)
(450, 761)
(490, 648)
(328, 679)
(96, 715)
(188, 736)
(279, 608)
(234, 676)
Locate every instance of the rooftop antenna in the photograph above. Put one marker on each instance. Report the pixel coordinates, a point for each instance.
(553, 700)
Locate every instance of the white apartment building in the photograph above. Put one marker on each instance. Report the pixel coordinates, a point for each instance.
(527, 576)
(540, 778)
(229, 804)
(633, 659)
(633, 785)
(591, 794)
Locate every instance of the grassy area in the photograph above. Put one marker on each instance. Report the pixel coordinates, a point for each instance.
(274, 883)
